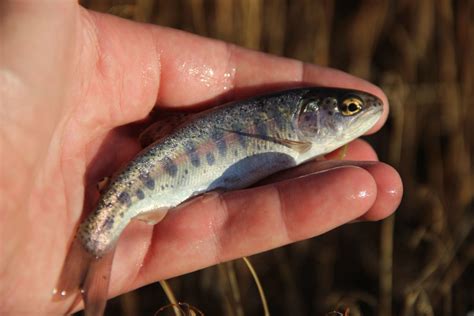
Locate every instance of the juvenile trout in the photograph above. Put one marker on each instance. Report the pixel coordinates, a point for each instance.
(224, 148)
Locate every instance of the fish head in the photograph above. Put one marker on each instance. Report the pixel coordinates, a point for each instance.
(332, 117)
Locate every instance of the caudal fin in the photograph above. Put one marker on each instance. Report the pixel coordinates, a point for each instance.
(84, 274)
(73, 274)
(96, 285)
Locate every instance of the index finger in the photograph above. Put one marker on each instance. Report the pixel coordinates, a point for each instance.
(185, 69)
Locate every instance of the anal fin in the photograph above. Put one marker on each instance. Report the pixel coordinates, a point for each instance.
(152, 217)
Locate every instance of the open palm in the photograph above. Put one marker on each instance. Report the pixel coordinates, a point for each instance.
(71, 80)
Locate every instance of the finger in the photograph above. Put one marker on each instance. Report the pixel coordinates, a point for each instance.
(359, 153)
(177, 69)
(389, 191)
(223, 227)
(358, 150)
(389, 183)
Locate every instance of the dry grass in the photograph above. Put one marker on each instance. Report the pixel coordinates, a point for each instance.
(416, 263)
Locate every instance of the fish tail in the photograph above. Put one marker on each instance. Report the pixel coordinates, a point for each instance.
(84, 274)
(73, 273)
(96, 285)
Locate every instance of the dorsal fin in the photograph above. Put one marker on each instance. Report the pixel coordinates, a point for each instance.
(163, 125)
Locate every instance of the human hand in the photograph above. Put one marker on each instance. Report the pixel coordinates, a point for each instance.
(70, 77)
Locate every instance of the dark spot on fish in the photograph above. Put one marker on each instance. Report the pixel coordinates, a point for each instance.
(121, 214)
(192, 154)
(242, 141)
(259, 147)
(222, 147)
(236, 153)
(261, 128)
(124, 198)
(217, 137)
(186, 171)
(147, 180)
(170, 167)
(238, 129)
(330, 112)
(167, 185)
(150, 184)
(210, 158)
(140, 194)
(108, 223)
(162, 187)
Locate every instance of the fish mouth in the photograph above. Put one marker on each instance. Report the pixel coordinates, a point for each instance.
(365, 121)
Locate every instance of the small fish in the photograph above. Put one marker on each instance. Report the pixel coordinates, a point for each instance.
(224, 148)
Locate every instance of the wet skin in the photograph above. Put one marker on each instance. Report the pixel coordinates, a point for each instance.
(90, 80)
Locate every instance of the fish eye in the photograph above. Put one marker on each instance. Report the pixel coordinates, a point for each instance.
(351, 106)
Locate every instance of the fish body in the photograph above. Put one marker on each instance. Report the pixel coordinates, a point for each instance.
(226, 148)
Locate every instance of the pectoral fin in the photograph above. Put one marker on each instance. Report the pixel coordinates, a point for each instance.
(296, 145)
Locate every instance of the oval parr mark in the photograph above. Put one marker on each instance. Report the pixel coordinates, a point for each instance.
(124, 198)
(108, 223)
(147, 180)
(210, 158)
(222, 147)
(261, 128)
(140, 194)
(193, 155)
(217, 137)
(240, 136)
(242, 141)
(170, 167)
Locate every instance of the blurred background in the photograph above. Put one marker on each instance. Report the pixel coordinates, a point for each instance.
(418, 262)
